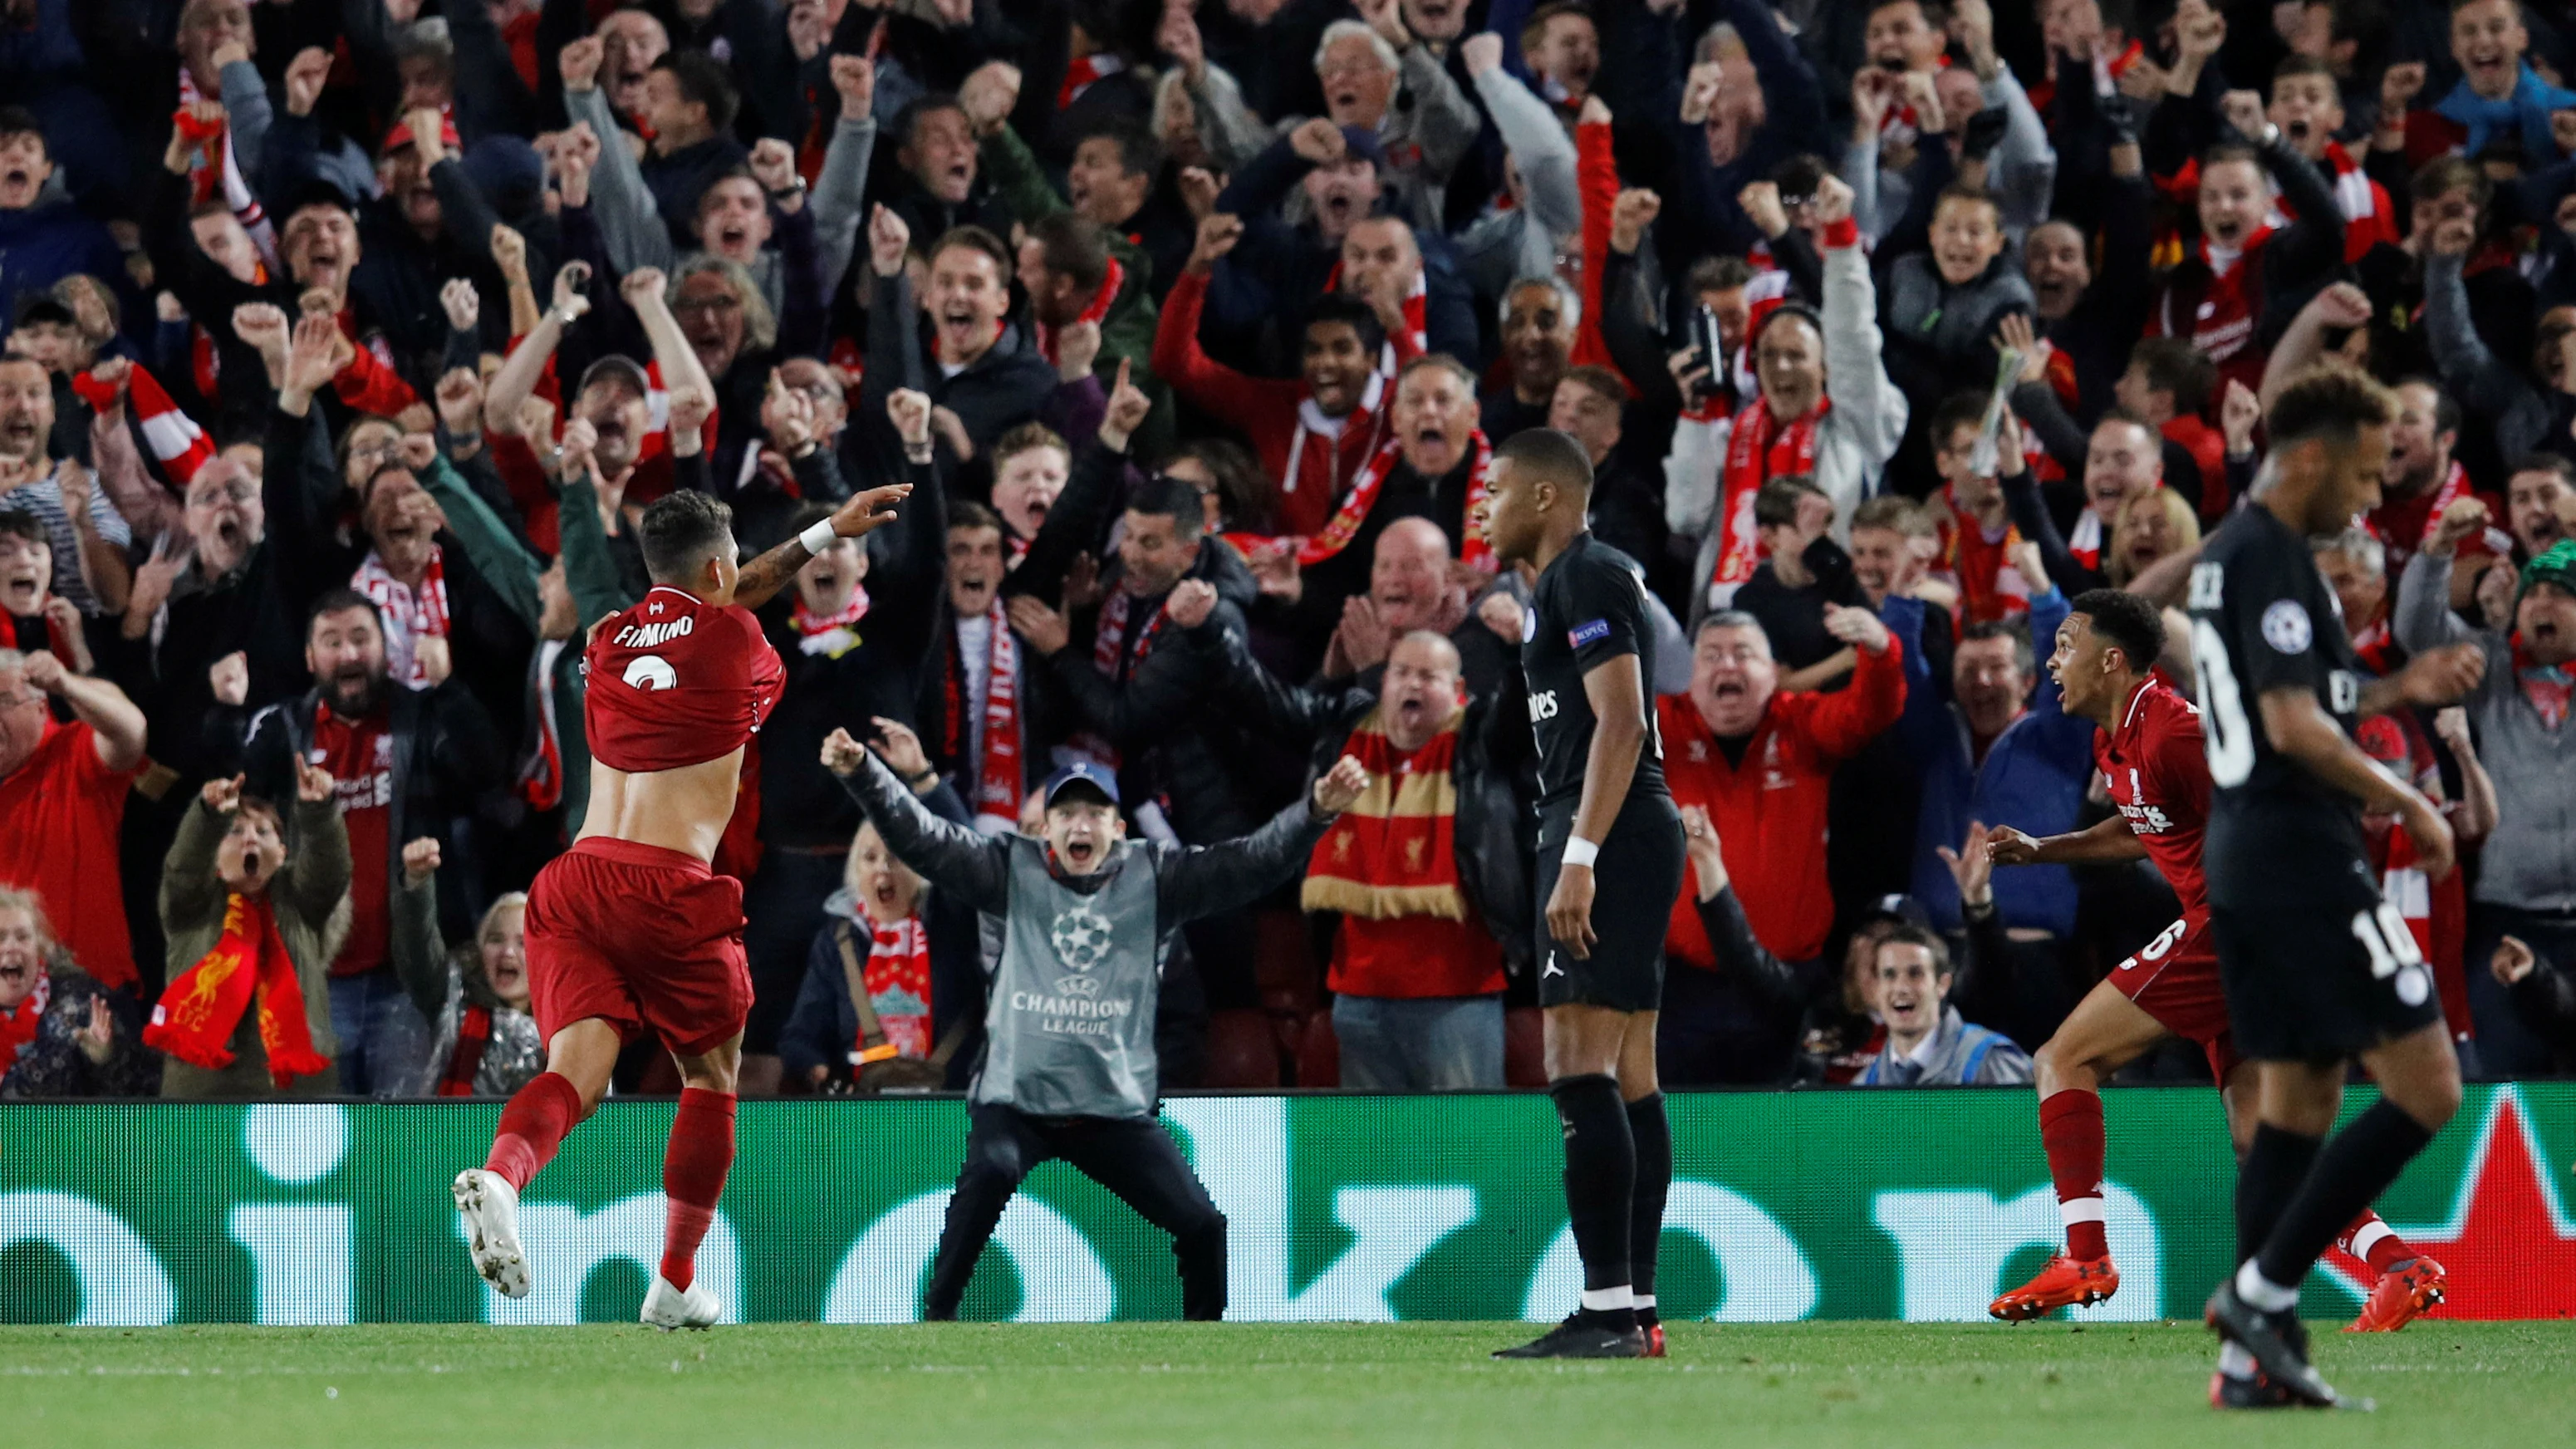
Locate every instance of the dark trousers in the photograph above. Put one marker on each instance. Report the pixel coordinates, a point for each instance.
(1133, 1158)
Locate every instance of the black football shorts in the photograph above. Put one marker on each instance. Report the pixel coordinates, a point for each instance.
(1635, 882)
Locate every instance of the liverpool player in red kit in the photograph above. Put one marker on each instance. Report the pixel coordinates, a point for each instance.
(629, 931)
(2153, 761)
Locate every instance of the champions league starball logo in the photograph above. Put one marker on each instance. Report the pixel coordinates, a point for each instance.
(1080, 936)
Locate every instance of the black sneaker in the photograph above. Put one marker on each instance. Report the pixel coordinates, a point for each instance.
(2278, 1342)
(2257, 1392)
(1577, 1338)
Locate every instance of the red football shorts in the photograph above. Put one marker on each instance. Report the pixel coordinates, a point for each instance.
(643, 938)
(2174, 979)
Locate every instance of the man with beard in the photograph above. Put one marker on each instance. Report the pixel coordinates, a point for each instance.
(2093, 318)
(89, 538)
(1432, 466)
(1314, 433)
(2540, 503)
(62, 799)
(1760, 761)
(980, 370)
(689, 105)
(405, 763)
(2421, 479)
(1539, 316)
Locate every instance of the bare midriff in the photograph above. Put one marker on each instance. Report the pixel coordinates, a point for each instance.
(683, 809)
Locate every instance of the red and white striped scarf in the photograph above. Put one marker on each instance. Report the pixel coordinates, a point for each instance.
(220, 173)
(2368, 218)
(2085, 543)
(999, 773)
(1092, 312)
(1758, 449)
(1311, 422)
(409, 613)
(1111, 655)
(1345, 523)
(1084, 70)
(829, 635)
(176, 441)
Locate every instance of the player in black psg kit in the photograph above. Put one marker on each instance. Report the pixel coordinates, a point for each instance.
(2318, 969)
(1609, 867)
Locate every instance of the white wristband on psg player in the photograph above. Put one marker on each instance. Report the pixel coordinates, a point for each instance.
(1582, 852)
(818, 538)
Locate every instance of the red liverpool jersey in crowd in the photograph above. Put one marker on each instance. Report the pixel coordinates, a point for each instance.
(2158, 775)
(675, 682)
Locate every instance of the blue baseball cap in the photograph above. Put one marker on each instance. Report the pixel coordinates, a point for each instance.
(1085, 774)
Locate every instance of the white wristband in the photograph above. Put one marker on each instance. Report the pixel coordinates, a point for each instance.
(818, 538)
(1582, 852)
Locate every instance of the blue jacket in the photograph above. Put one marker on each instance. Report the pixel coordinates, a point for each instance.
(49, 241)
(2032, 779)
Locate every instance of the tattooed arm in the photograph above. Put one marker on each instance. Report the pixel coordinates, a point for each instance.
(864, 514)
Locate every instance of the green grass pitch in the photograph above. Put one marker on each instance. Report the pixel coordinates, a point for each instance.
(2439, 1386)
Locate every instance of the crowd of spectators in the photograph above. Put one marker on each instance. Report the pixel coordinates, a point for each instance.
(347, 339)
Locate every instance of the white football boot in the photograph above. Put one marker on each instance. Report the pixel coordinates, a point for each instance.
(667, 1308)
(490, 1207)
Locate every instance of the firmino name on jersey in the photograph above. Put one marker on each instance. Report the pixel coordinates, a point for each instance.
(646, 636)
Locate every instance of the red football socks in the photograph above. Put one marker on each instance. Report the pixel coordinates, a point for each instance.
(693, 1177)
(2374, 1242)
(532, 1127)
(2070, 1127)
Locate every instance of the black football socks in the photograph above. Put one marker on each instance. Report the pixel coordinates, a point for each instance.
(1600, 1173)
(1652, 1132)
(2352, 1171)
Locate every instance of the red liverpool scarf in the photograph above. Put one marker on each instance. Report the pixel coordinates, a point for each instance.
(1111, 655)
(18, 1028)
(1758, 450)
(1345, 523)
(1083, 70)
(411, 612)
(897, 976)
(1092, 311)
(830, 635)
(1990, 587)
(999, 774)
(473, 1036)
(2549, 687)
(215, 172)
(196, 1016)
(1394, 851)
(177, 443)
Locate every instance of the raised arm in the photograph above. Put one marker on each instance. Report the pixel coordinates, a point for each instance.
(1204, 880)
(629, 221)
(955, 858)
(1855, 378)
(865, 513)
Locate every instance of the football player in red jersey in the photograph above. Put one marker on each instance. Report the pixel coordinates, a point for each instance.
(630, 931)
(2153, 761)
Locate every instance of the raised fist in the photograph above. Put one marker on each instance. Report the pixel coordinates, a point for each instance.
(579, 63)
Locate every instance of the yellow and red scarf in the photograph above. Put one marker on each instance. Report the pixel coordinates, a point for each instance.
(195, 1018)
(898, 976)
(1394, 851)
